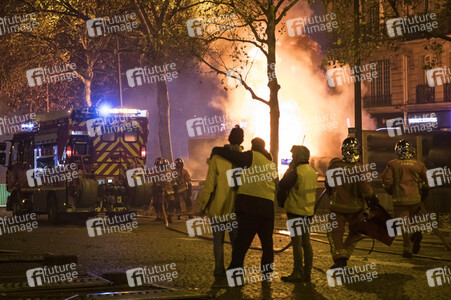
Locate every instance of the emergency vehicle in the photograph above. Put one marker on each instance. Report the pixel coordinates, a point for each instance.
(76, 162)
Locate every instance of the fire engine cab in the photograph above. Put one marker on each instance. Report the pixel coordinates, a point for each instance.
(76, 162)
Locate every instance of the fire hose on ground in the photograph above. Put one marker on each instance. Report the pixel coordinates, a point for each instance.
(281, 232)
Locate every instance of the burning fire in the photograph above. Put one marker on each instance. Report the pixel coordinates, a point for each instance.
(309, 114)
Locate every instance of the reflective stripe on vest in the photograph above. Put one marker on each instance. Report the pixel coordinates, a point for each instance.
(258, 179)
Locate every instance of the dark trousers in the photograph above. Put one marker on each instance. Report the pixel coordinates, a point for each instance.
(248, 227)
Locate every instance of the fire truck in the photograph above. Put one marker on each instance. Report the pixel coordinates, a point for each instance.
(75, 162)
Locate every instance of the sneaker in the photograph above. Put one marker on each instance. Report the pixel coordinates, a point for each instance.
(416, 240)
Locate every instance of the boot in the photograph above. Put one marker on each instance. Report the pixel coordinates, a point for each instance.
(296, 276)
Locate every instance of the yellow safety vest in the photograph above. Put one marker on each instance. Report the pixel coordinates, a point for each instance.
(302, 196)
(258, 179)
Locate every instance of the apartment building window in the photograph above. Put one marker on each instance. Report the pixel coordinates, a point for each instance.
(425, 94)
(380, 86)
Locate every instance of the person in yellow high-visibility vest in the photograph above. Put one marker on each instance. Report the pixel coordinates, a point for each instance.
(254, 175)
(297, 194)
(217, 198)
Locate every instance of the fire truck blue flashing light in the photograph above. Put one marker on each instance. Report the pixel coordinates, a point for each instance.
(28, 127)
(104, 110)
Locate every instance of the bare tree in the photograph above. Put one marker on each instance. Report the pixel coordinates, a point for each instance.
(258, 24)
(165, 41)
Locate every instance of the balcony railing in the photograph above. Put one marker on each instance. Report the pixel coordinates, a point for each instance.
(447, 92)
(425, 94)
(376, 100)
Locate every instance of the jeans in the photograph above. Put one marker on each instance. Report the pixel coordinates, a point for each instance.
(301, 245)
(218, 249)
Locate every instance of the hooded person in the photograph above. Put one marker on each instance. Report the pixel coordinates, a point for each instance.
(297, 195)
(218, 199)
(254, 175)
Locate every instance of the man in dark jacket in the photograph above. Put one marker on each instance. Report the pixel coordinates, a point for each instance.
(254, 176)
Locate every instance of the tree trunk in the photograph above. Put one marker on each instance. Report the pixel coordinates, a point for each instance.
(164, 129)
(274, 87)
(87, 88)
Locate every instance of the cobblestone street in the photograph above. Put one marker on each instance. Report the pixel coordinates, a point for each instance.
(152, 244)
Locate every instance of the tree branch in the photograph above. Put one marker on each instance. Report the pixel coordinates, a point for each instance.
(240, 78)
(285, 10)
(240, 40)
